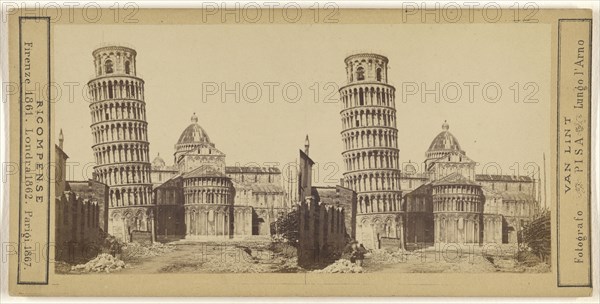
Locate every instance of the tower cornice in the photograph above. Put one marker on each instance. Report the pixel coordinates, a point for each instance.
(360, 83)
(366, 56)
(116, 76)
(113, 48)
(125, 141)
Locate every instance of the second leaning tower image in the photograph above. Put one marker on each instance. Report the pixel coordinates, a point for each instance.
(120, 147)
(371, 150)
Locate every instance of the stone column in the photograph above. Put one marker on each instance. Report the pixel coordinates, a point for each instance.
(197, 222)
(206, 222)
(402, 235)
(152, 232)
(187, 222)
(201, 223)
(226, 224)
(125, 232)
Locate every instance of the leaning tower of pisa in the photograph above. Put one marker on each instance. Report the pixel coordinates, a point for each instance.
(120, 147)
(371, 150)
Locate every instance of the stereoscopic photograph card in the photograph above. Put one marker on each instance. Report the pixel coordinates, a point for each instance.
(293, 150)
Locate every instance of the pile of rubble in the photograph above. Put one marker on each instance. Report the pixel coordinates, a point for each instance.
(138, 250)
(234, 260)
(290, 265)
(102, 263)
(380, 256)
(474, 264)
(341, 266)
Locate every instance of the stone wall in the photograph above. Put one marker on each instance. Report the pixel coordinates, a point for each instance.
(168, 198)
(322, 233)
(492, 228)
(96, 192)
(81, 214)
(77, 227)
(523, 184)
(339, 196)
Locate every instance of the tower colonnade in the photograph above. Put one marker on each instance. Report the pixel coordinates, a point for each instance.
(119, 130)
(371, 154)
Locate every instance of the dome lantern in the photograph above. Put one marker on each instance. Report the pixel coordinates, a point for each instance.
(158, 162)
(194, 136)
(445, 126)
(443, 144)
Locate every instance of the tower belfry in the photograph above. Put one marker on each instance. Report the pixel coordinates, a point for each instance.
(121, 146)
(371, 151)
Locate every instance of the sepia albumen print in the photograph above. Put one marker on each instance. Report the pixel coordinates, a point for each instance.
(347, 153)
(195, 164)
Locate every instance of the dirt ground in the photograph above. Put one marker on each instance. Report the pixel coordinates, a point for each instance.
(266, 257)
(454, 259)
(230, 257)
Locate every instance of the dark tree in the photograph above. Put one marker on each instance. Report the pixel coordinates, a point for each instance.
(286, 227)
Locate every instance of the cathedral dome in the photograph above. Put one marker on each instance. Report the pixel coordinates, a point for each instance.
(193, 134)
(444, 143)
(158, 162)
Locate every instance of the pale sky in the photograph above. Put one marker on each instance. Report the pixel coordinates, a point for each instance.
(175, 61)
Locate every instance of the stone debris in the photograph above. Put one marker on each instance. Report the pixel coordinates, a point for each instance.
(380, 256)
(233, 258)
(104, 262)
(62, 267)
(138, 250)
(505, 263)
(289, 264)
(229, 260)
(341, 266)
(471, 264)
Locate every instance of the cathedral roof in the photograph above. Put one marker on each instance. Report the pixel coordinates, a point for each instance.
(168, 182)
(194, 133)
(250, 169)
(454, 179)
(204, 171)
(488, 191)
(444, 141)
(502, 178)
(422, 189)
(259, 187)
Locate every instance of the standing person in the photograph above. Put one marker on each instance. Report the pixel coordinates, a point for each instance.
(115, 248)
(354, 251)
(360, 254)
(112, 246)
